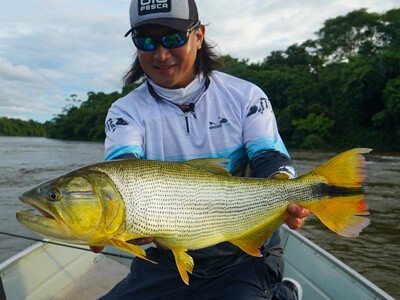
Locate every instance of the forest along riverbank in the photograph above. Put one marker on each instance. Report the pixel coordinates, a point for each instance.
(28, 161)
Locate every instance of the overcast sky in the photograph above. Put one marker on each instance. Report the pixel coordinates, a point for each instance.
(50, 49)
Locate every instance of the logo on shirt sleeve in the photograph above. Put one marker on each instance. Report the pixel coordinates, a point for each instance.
(153, 6)
(112, 124)
(260, 108)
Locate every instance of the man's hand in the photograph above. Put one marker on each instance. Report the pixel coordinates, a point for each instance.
(296, 216)
(96, 249)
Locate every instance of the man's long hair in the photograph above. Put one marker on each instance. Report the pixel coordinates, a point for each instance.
(207, 60)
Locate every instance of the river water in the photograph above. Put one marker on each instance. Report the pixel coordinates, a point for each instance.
(25, 162)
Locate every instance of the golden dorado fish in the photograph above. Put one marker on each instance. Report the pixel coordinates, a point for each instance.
(191, 205)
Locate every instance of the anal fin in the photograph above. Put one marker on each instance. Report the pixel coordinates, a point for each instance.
(252, 241)
(184, 263)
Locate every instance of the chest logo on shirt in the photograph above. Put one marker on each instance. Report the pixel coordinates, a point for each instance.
(222, 122)
(263, 105)
(112, 124)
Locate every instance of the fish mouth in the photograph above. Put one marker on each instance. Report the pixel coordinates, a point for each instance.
(41, 220)
(32, 221)
(45, 212)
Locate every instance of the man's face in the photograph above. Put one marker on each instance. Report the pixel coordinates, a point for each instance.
(170, 68)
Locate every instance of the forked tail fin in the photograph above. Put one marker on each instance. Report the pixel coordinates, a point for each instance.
(342, 208)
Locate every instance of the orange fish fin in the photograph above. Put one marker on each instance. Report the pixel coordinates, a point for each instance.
(343, 209)
(346, 169)
(184, 263)
(343, 215)
(248, 246)
(251, 241)
(213, 165)
(135, 250)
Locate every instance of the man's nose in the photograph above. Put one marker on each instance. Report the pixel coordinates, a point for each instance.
(161, 53)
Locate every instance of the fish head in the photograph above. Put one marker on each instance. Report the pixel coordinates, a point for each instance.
(82, 207)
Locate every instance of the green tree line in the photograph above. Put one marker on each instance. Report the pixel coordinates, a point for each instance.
(17, 127)
(83, 122)
(340, 90)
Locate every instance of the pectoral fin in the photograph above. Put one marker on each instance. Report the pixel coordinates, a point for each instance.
(184, 263)
(135, 250)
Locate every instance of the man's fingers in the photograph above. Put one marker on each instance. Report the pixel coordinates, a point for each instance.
(296, 216)
(96, 249)
(297, 211)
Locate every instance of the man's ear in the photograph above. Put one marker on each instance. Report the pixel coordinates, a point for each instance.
(200, 32)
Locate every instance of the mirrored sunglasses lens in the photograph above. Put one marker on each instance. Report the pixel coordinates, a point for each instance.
(145, 43)
(174, 40)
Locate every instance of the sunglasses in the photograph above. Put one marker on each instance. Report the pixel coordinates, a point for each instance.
(169, 40)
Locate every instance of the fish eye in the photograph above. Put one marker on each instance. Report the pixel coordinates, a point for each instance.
(53, 195)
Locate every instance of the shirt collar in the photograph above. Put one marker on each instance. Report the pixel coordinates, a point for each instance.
(180, 96)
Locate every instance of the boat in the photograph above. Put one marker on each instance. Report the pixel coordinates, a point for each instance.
(54, 271)
(322, 275)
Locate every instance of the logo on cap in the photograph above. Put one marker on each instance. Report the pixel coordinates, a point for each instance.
(153, 6)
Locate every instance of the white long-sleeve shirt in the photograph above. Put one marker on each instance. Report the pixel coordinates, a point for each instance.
(227, 117)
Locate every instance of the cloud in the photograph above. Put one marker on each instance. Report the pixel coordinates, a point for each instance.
(52, 49)
(254, 28)
(24, 92)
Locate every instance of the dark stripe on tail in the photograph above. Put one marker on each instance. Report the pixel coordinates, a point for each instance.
(322, 190)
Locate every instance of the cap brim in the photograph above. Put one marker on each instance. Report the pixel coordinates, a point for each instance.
(176, 24)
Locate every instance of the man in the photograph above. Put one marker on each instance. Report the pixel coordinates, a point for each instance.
(186, 109)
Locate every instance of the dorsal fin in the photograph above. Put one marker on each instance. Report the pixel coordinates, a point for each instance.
(213, 165)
